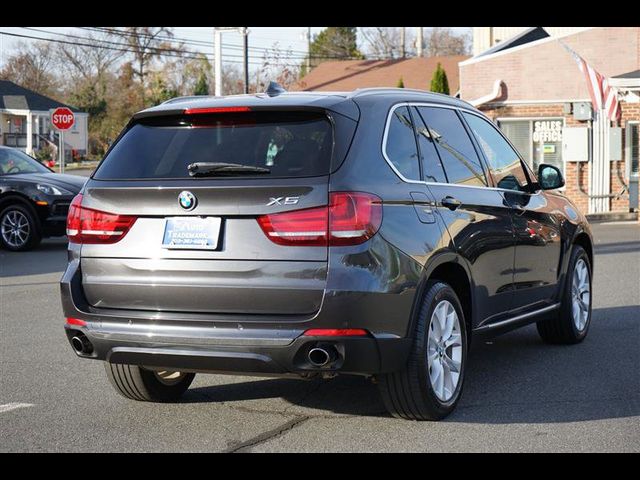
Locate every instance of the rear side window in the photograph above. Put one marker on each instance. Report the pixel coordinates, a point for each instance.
(289, 144)
(401, 146)
(461, 163)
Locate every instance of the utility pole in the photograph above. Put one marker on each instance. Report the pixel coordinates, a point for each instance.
(217, 41)
(308, 49)
(245, 45)
(419, 42)
(403, 42)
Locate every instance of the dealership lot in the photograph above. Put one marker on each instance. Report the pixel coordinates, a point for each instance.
(520, 394)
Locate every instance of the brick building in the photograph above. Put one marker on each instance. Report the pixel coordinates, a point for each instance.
(537, 95)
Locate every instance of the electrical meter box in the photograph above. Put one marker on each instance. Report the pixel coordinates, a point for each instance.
(575, 144)
(615, 144)
(582, 111)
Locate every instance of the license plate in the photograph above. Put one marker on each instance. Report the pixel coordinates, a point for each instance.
(191, 233)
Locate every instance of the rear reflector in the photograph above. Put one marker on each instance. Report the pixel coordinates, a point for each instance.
(335, 332)
(86, 225)
(196, 111)
(76, 321)
(349, 219)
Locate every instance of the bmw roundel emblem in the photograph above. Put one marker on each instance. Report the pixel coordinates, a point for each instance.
(187, 200)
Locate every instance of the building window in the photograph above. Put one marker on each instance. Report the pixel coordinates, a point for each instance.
(538, 140)
(633, 145)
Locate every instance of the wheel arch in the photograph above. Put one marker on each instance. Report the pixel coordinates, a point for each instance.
(452, 269)
(584, 240)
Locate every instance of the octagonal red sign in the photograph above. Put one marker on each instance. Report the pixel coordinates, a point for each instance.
(62, 118)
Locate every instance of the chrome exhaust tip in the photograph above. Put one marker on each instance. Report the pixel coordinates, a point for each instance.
(81, 344)
(321, 357)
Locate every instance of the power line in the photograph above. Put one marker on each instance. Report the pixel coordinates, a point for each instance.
(156, 51)
(291, 53)
(183, 40)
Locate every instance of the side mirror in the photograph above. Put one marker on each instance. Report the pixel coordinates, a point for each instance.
(549, 177)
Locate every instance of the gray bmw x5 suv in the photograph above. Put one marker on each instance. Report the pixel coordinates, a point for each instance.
(373, 233)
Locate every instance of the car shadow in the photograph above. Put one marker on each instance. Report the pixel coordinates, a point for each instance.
(48, 257)
(514, 378)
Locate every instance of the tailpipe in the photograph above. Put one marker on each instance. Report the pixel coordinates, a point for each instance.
(321, 356)
(81, 344)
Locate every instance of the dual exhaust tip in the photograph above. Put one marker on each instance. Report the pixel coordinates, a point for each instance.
(322, 355)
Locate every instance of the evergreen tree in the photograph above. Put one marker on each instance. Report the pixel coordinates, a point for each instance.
(439, 82)
(334, 43)
(400, 83)
(202, 86)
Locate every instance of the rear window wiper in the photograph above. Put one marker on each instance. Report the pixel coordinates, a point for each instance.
(204, 169)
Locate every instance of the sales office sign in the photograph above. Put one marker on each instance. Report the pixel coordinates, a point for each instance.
(547, 131)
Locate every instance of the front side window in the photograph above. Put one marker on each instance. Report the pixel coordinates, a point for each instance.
(459, 158)
(537, 140)
(401, 146)
(503, 161)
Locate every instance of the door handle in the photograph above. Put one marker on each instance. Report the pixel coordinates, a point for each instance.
(451, 203)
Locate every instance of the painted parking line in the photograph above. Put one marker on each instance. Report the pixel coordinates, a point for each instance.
(7, 407)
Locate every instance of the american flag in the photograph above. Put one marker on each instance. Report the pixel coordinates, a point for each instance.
(603, 96)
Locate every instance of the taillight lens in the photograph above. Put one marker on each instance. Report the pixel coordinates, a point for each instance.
(349, 219)
(86, 225)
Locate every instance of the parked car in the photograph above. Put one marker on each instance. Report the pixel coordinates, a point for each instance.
(34, 200)
(371, 233)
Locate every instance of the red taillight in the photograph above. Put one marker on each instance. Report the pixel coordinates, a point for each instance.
(300, 227)
(192, 111)
(335, 332)
(86, 225)
(349, 219)
(76, 321)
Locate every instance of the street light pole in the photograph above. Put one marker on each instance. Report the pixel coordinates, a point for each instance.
(217, 40)
(419, 42)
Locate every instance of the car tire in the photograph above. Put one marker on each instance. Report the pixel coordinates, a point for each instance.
(415, 392)
(145, 385)
(26, 236)
(571, 322)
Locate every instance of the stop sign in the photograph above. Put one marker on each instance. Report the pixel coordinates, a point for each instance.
(62, 118)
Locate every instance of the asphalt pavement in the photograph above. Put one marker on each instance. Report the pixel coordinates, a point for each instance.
(520, 394)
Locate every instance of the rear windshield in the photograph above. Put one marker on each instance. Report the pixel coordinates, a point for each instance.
(289, 144)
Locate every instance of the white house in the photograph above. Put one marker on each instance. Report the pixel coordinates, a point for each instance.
(25, 124)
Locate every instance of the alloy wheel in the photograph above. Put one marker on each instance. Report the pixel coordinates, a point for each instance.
(444, 350)
(580, 295)
(15, 228)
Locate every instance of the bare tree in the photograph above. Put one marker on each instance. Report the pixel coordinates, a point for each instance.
(32, 66)
(277, 66)
(146, 44)
(89, 62)
(441, 41)
(386, 42)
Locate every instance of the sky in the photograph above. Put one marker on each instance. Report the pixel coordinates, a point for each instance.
(260, 38)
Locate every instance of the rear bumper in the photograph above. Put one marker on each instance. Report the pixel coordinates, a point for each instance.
(274, 346)
(219, 350)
